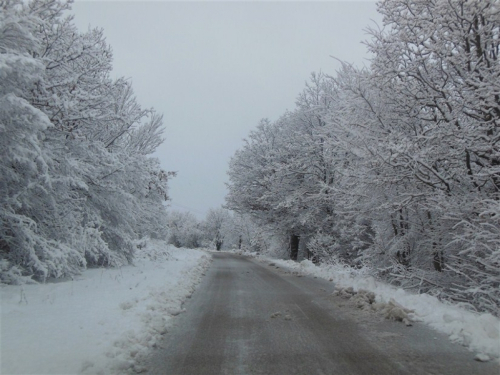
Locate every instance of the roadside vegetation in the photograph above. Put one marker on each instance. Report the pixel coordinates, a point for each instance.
(78, 184)
(394, 166)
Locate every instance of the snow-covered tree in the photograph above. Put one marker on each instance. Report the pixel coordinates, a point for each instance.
(26, 187)
(184, 229)
(395, 165)
(78, 184)
(218, 226)
(436, 65)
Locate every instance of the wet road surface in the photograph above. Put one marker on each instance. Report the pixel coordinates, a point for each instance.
(249, 318)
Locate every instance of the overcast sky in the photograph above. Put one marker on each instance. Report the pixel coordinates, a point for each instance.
(214, 69)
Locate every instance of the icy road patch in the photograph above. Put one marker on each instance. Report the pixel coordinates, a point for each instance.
(102, 322)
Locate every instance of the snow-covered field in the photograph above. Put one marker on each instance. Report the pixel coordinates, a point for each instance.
(103, 321)
(479, 332)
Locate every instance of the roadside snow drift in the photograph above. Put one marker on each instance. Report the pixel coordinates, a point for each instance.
(479, 332)
(103, 321)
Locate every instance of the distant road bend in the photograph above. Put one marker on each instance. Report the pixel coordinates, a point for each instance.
(250, 318)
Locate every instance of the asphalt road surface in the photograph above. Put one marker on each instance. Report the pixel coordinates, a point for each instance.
(247, 317)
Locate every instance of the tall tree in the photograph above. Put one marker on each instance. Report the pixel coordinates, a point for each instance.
(218, 226)
(80, 185)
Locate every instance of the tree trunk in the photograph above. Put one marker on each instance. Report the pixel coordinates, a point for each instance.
(438, 260)
(294, 246)
(218, 244)
(438, 256)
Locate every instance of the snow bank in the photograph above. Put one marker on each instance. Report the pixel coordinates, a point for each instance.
(249, 254)
(101, 322)
(478, 332)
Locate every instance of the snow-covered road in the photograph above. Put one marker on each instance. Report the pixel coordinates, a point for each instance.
(249, 318)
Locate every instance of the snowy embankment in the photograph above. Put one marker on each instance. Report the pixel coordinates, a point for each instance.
(479, 332)
(101, 322)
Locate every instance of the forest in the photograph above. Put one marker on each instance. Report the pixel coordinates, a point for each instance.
(395, 166)
(78, 184)
(79, 187)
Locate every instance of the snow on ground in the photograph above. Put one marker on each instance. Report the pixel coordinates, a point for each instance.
(101, 322)
(479, 332)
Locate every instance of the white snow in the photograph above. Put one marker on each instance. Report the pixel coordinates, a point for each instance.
(479, 332)
(103, 321)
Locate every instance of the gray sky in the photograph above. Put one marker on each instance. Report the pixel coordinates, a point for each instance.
(214, 69)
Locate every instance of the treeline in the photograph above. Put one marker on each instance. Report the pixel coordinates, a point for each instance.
(219, 230)
(77, 183)
(396, 166)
